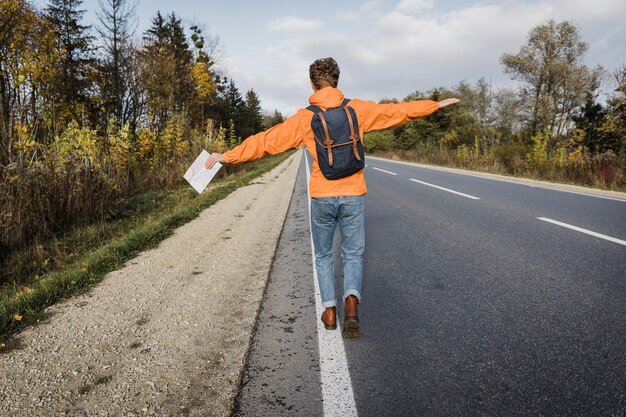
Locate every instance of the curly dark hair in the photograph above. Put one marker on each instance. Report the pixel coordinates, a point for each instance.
(324, 72)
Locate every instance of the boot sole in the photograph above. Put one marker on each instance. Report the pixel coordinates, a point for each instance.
(329, 326)
(350, 328)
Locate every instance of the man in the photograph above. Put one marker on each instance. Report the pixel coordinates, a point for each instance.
(333, 202)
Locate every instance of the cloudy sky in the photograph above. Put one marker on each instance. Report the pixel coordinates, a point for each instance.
(385, 48)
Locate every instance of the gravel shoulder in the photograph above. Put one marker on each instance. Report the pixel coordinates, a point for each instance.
(166, 335)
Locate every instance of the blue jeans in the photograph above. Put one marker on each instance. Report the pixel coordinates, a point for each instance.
(349, 214)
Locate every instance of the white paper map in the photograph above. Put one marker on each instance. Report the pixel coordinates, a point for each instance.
(197, 175)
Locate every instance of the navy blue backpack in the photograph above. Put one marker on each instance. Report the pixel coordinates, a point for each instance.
(337, 142)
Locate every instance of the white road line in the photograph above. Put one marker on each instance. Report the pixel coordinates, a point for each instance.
(445, 189)
(385, 171)
(580, 229)
(337, 394)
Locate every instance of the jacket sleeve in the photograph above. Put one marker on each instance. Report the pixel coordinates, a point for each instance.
(280, 138)
(381, 116)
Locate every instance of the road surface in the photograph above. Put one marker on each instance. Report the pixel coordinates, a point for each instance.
(480, 297)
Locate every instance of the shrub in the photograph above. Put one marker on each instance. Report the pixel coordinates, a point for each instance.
(380, 140)
(537, 158)
(45, 197)
(510, 157)
(607, 170)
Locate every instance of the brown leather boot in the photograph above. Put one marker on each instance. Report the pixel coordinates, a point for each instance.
(351, 318)
(329, 318)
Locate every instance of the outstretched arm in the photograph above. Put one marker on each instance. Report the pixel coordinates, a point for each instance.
(381, 116)
(280, 138)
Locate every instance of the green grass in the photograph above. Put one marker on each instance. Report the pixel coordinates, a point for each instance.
(96, 250)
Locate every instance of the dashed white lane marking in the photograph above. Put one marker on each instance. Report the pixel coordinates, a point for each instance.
(580, 229)
(384, 170)
(445, 189)
(337, 394)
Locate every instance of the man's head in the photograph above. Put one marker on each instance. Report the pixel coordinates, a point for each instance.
(324, 72)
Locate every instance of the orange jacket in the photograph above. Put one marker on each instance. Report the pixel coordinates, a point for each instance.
(297, 130)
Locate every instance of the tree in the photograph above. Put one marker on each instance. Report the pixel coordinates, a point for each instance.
(613, 128)
(272, 119)
(204, 77)
(28, 57)
(117, 23)
(589, 118)
(233, 139)
(233, 106)
(166, 69)
(72, 84)
(507, 109)
(183, 59)
(206, 49)
(253, 116)
(156, 66)
(475, 115)
(555, 82)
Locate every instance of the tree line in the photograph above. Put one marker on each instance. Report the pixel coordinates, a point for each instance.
(555, 125)
(92, 114)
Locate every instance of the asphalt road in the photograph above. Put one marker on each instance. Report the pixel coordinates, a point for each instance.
(472, 304)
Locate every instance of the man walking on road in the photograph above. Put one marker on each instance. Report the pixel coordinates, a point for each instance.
(333, 201)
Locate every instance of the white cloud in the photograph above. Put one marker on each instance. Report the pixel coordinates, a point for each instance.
(372, 5)
(414, 6)
(391, 49)
(293, 24)
(585, 10)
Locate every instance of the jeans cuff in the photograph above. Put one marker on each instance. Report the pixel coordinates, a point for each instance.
(331, 303)
(352, 292)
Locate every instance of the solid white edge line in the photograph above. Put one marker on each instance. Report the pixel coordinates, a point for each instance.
(487, 176)
(580, 229)
(337, 394)
(445, 189)
(384, 170)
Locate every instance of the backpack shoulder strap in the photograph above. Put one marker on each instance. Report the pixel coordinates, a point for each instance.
(345, 102)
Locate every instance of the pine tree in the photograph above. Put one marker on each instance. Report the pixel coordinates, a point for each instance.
(157, 34)
(183, 59)
(166, 56)
(232, 135)
(233, 106)
(73, 81)
(253, 117)
(156, 66)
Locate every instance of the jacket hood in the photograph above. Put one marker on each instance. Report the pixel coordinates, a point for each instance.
(327, 98)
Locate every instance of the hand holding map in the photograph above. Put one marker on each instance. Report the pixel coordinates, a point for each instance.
(197, 175)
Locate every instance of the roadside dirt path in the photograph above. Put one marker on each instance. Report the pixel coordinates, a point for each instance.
(167, 334)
